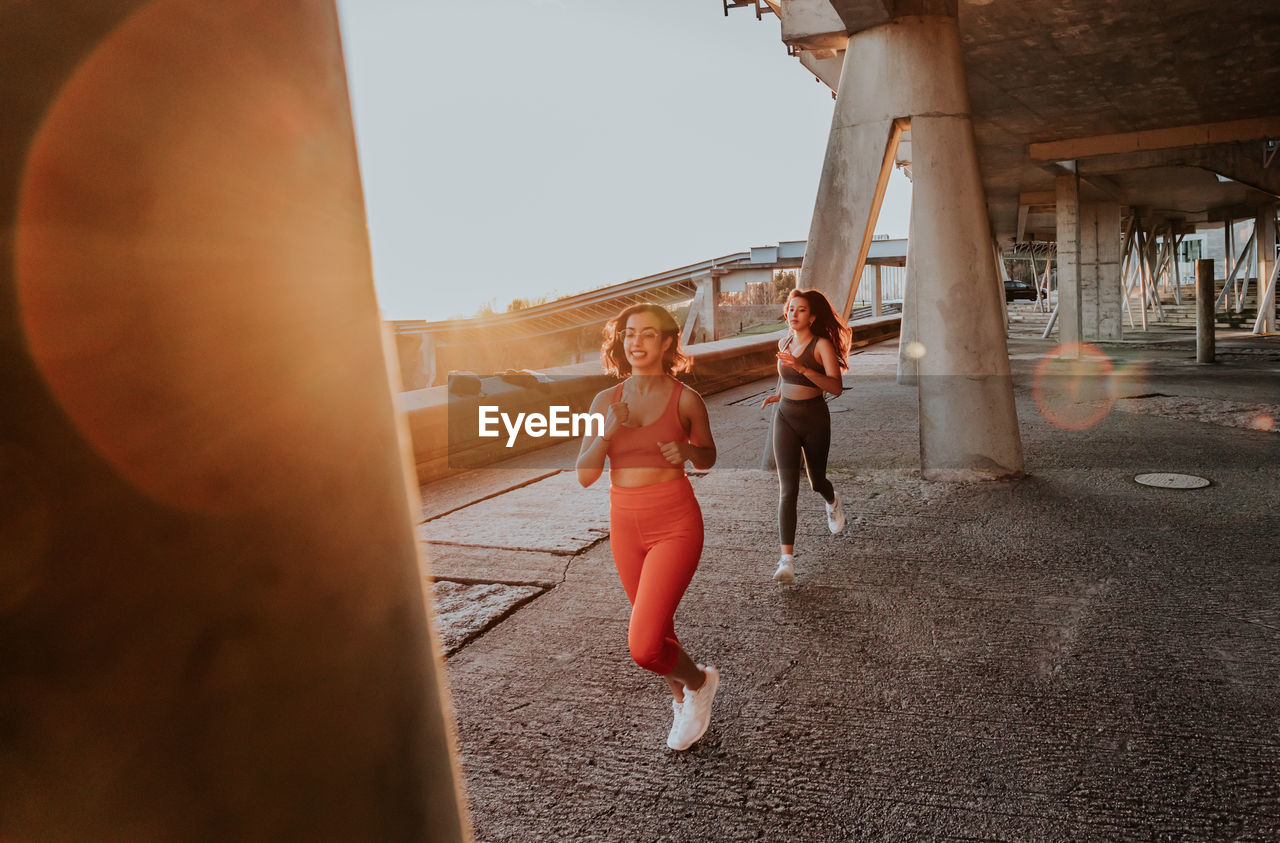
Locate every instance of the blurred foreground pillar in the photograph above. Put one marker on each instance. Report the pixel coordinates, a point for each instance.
(212, 623)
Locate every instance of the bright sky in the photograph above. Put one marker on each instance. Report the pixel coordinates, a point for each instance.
(519, 148)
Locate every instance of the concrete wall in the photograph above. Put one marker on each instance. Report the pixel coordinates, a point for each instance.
(737, 280)
(717, 366)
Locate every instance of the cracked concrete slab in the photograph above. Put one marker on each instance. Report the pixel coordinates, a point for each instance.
(486, 564)
(464, 611)
(1244, 415)
(555, 515)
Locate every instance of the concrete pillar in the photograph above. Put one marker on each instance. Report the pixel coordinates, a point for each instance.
(710, 303)
(1265, 223)
(1099, 269)
(871, 95)
(1204, 311)
(968, 426)
(912, 69)
(211, 604)
(1067, 187)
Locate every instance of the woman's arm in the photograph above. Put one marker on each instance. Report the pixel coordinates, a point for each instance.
(777, 391)
(776, 396)
(701, 447)
(594, 448)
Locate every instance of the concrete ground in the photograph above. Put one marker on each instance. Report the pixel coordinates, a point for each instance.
(1072, 656)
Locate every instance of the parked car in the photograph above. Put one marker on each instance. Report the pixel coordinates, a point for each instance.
(1018, 290)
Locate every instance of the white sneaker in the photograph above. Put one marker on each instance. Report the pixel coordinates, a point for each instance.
(695, 714)
(835, 515)
(786, 572)
(677, 709)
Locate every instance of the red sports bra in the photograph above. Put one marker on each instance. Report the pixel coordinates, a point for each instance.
(637, 447)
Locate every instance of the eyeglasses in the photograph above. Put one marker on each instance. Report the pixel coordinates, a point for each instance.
(644, 335)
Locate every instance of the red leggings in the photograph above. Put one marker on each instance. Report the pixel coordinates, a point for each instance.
(655, 533)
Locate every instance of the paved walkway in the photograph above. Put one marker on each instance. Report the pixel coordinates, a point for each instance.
(1072, 656)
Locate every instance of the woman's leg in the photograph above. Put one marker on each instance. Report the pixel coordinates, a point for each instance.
(816, 446)
(672, 533)
(787, 447)
(685, 674)
(667, 571)
(627, 546)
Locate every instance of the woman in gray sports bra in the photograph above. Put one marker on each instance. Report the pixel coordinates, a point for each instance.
(809, 364)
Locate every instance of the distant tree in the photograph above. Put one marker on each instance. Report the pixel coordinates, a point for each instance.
(487, 309)
(525, 304)
(783, 283)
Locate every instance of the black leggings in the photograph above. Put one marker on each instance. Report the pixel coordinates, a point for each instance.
(800, 426)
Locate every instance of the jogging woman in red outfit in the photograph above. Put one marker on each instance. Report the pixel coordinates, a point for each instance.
(653, 425)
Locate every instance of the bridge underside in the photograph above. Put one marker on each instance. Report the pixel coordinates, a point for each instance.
(1111, 129)
(1050, 82)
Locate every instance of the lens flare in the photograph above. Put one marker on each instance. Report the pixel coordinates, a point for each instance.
(188, 251)
(915, 350)
(1263, 421)
(1073, 386)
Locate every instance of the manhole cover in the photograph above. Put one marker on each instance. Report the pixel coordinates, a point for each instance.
(1163, 480)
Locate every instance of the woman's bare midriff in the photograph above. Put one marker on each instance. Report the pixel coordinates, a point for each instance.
(796, 392)
(633, 478)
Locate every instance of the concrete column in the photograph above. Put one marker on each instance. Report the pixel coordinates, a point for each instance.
(1099, 268)
(968, 426)
(876, 304)
(1265, 223)
(1067, 187)
(709, 286)
(871, 95)
(912, 69)
(1204, 311)
(211, 603)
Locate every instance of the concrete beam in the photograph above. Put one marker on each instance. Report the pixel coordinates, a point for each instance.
(1204, 134)
(1037, 197)
(812, 25)
(861, 15)
(827, 70)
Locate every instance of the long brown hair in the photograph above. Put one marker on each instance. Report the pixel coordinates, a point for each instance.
(614, 360)
(826, 323)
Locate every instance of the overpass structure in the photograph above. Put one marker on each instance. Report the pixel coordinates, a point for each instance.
(1106, 128)
(423, 345)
